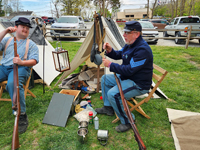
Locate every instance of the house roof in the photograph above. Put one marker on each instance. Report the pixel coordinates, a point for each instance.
(20, 13)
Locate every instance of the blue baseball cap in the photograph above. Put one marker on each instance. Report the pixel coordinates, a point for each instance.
(132, 26)
(23, 21)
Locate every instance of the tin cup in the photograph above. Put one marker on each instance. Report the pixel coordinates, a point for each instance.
(83, 124)
(102, 135)
(82, 132)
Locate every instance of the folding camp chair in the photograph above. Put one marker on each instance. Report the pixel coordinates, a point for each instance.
(26, 90)
(157, 78)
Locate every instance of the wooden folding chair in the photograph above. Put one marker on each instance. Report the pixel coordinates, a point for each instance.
(27, 92)
(157, 78)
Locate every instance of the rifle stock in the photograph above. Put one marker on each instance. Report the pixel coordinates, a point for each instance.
(16, 102)
(130, 118)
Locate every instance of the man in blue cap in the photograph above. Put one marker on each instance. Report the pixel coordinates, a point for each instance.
(135, 73)
(28, 56)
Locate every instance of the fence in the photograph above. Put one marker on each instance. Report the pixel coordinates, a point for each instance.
(160, 30)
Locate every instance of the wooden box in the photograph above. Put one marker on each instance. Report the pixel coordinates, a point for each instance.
(77, 98)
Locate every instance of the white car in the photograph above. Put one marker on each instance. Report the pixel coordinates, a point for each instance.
(149, 25)
(69, 22)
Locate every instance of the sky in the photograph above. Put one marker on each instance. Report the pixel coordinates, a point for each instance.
(43, 7)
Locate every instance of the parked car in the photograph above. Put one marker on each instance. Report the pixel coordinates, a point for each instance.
(87, 20)
(183, 22)
(50, 20)
(69, 22)
(149, 25)
(2, 19)
(159, 23)
(144, 19)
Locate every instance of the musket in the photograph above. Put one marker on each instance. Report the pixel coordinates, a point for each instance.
(130, 118)
(16, 102)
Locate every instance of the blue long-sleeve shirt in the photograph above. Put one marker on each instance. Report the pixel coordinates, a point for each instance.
(137, 63)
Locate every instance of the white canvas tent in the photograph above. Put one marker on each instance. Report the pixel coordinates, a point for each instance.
(84, 51)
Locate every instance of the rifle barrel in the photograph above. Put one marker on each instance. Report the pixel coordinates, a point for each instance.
(16, 102)
(130, 118)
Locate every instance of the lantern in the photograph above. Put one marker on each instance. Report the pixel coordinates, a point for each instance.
(61, 59)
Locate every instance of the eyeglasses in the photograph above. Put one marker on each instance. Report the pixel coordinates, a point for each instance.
(125, 32)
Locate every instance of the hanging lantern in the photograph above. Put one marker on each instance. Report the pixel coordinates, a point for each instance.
(61, 59)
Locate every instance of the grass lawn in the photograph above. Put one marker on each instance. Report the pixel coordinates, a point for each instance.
(181, 84)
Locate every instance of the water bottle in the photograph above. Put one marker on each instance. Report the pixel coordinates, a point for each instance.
(96, 123)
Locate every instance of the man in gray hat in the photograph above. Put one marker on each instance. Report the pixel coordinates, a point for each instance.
(135, 73)
(28, 56)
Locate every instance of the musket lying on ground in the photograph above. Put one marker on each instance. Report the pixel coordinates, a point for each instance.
(16, 102)
(130, 118)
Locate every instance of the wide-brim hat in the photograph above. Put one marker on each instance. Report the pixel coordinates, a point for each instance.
(132, 26)
(23, 21)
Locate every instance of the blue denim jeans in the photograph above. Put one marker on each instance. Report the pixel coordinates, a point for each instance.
(111, 95)
(6, 73)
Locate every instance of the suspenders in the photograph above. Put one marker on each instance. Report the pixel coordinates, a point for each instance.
(27, 46)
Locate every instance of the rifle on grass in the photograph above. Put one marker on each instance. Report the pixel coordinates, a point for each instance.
(130, 118)
(16, 102)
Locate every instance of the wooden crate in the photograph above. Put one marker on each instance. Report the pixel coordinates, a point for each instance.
(77, 98)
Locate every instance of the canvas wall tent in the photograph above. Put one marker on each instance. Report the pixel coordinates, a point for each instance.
(36, 35)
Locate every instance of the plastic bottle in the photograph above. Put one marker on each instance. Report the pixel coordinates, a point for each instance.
(89, 102)
(96, 123)
(91, 117)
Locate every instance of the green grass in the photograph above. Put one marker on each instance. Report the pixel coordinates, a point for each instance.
(181, 84)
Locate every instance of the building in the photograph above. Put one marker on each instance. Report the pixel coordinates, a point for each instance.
(20, 13)
(130, 14)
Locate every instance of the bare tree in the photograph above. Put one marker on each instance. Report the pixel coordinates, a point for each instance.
(148, 9)
(182, 7)
(176, 11)
(56, 4)
(154, 6)
(172, 8)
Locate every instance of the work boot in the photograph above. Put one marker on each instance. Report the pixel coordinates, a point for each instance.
(108, 110)
(23, 123)
(123, 127)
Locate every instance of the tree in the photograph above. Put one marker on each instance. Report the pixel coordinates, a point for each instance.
(109, 4)
(2, 13)
(154, 5)
(73, 7)
(56, 4)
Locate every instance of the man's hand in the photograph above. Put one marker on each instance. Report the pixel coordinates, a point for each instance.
(17, 60)
(107, 47)
(11, 29)
(106, 62)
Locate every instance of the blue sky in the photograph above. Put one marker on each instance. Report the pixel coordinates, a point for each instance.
(43, 8)
(40, 7)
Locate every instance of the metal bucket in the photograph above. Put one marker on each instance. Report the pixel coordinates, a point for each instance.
(82, 132)
(83, 124)
(102, 135)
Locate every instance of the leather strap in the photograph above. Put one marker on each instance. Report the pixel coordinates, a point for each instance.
(27, 47)
(8, 42)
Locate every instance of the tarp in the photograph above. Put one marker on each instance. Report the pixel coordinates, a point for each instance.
(36, 35)
(185, 129)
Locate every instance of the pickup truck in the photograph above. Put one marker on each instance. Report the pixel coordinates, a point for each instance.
(183, 22)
